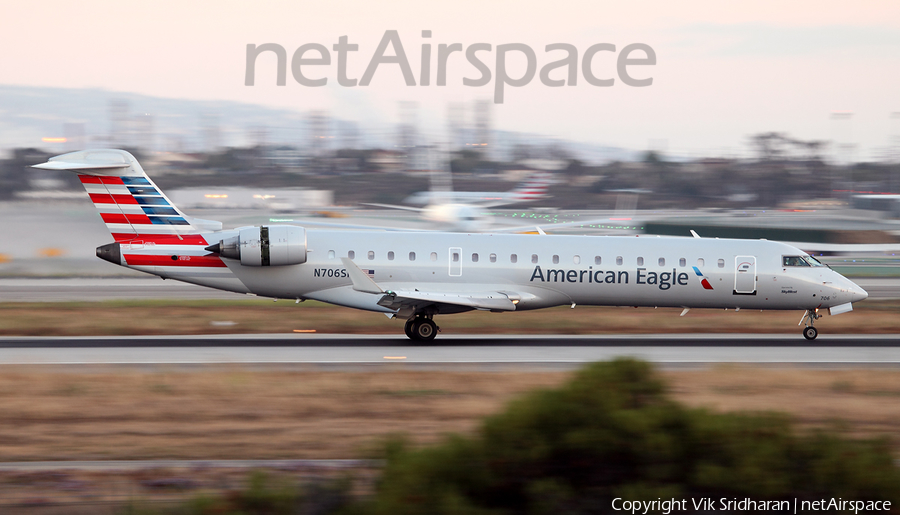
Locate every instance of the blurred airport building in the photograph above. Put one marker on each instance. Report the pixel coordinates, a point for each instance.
(234, 197)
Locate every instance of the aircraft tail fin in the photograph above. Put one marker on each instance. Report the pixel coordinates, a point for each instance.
(533, 188)
(134, 209)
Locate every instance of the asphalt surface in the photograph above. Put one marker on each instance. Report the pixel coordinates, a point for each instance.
(136, 288)
(540, 351)
(499, 341)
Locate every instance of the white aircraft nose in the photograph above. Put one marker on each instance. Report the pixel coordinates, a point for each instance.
(857, 294)
(853, 290)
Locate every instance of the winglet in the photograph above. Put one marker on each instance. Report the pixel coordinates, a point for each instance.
(361, 281)
(694, 233)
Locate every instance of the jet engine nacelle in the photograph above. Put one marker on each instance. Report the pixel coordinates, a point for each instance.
(274, 245)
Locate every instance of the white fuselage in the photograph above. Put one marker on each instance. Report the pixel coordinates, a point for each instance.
(416, 275)
(538, 271)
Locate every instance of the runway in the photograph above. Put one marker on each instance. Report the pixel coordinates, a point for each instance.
(147, 287)
(480, 350)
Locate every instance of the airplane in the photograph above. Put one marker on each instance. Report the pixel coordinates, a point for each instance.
(414, 276)
(533, 188)
(461, 211)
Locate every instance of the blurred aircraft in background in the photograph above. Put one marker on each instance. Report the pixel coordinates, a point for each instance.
(534, 187)
(461, 211)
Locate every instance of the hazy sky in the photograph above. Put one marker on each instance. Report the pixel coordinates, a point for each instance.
(724, 70)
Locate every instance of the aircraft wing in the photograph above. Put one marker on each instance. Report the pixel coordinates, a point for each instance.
(392, 206)
(493, 301)
(413, 299)
(538, 225)
(486, 204)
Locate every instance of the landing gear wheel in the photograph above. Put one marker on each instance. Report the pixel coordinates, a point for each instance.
(408, 329)
(424, 330)
(810, 333)
(810, 317)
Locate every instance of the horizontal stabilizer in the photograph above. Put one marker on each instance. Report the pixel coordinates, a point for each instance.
(100, 159)
(63, 165)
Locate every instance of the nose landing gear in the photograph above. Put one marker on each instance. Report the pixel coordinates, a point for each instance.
(810, 317)
(421, 328)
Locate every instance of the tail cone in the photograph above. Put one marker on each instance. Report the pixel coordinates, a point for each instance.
(111, 252)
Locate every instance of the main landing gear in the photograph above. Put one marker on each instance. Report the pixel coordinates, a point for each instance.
(810, 317)
(421, 328)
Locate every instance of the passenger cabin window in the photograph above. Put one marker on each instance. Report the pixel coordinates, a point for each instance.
(662, 261)
(640, 261)
(412, 256)
(721, 263)
(576, 260)
(700, 262)
(555, 259)
(534, 258)
(371, 255)
(330, 254)
(474, 258)
(391, 255)
(434, 256)
(682, 262)
(597, 260)
(619, 260)
(513, 258)
(351, 254)
(493, 258)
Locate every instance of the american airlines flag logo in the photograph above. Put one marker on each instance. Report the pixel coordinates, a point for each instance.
(703, 280)
(370, 273)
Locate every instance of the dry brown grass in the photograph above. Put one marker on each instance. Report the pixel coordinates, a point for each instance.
(49, 414)
(197, 317)
(857, 402)
(239, 414)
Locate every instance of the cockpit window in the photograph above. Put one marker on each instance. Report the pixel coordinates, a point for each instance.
(812, 261)
(793, 261)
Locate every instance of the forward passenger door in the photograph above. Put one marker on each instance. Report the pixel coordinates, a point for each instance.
(745, 275)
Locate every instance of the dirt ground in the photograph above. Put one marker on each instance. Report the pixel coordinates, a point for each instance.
(211, 317)
(215, 413)
(118, 413)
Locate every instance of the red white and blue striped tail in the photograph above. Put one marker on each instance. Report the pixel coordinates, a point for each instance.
(535, 188)
(134, 209)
